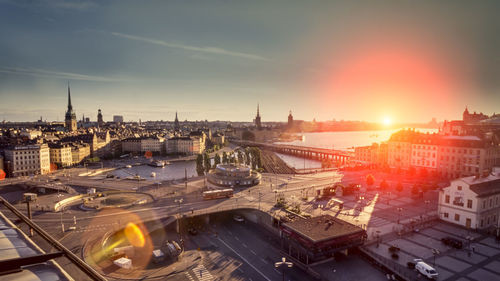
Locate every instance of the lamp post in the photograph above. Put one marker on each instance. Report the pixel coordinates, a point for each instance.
(283, 264)
(399, 213)
(179, 201)
(435, 252)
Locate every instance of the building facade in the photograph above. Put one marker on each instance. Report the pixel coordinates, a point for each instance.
(183, 145)
(60, 154)
(472, 202)
(27, 160)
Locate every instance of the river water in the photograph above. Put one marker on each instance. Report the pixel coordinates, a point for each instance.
(335, 140)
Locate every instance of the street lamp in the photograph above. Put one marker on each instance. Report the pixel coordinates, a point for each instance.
(283, 264)
(399, 213)
(435, 252)
(179, 201)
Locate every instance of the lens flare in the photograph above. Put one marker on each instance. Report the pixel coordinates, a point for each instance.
(134, 235)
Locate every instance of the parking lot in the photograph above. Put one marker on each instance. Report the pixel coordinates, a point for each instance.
(478, 259)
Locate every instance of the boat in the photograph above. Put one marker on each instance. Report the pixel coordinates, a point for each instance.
(157, 163)
(128, 166)
(153, 174)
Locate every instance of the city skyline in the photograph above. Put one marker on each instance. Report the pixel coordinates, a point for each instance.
(213, 61)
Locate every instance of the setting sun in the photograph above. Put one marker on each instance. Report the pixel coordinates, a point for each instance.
(387, 121)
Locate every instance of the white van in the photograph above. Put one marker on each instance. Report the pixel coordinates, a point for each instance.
(425, 269)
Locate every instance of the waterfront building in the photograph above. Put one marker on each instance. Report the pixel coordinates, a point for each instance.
(27, 160)
(461, 156)
(183, 145)
(143, 144)
(399, 149)
(473, 202)
(230, 175)
(424, 152)
(375, 154)
(201, 136)
(60, 154)
(70, 117)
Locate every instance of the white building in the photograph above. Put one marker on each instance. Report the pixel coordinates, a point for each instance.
(27, 160)
(473, 202)
(424, 155)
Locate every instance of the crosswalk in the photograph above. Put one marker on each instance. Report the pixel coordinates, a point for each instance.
(200, 274)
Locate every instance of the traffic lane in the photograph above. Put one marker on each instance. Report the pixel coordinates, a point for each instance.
(258, 247)
(251, 263)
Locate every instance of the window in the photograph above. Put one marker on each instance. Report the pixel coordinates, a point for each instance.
(446, 215)
(447, 199)
(459, 187)
(484, 204)
(457, 217)
(469, 204)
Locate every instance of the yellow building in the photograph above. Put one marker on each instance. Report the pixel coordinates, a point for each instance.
(60, 154)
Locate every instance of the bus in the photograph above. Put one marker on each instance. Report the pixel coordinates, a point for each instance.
(216, 194)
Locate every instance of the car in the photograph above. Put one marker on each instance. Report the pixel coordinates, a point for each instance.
(453, 242)
(238, 218)
(425, 269)
(192, 231)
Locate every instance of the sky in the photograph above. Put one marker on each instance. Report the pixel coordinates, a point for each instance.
(404, 60)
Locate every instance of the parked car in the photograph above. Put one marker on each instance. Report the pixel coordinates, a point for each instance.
(425, 269)
(453, 242)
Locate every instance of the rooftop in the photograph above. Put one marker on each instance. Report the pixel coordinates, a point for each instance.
(322, 228)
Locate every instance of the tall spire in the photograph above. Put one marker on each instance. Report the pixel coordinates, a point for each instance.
(70, 107)
(258, 109)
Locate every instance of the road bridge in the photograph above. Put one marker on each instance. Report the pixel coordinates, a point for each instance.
(315, 153)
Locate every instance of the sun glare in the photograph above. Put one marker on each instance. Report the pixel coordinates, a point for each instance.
(387, 121)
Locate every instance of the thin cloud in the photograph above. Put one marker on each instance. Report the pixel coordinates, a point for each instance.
(203, 49)
(37, 72)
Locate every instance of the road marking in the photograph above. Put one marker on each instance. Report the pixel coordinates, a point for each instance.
(277, 271)
(202, 273)
(265, 277)
(244, 245)
(230, 233)
(236, 237)
(240, 270)
(253, 252)
(189, 276)
(263, 260)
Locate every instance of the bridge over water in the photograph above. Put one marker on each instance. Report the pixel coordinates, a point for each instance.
(314, 153)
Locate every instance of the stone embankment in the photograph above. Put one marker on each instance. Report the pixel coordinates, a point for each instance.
(274, 164)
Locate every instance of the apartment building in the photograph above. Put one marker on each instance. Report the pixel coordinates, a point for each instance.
(27, 160)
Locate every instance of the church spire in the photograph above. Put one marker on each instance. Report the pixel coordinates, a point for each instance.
(258, 114)
(70, 107)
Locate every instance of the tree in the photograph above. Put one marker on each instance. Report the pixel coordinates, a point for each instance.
(217, 159)
(199, 165)
(247, 156)
(370, 180)
(224, 158)
(399, 187)
(384, 185)
(206, 158)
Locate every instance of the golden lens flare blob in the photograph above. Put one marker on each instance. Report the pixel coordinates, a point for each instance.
(134, 235)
